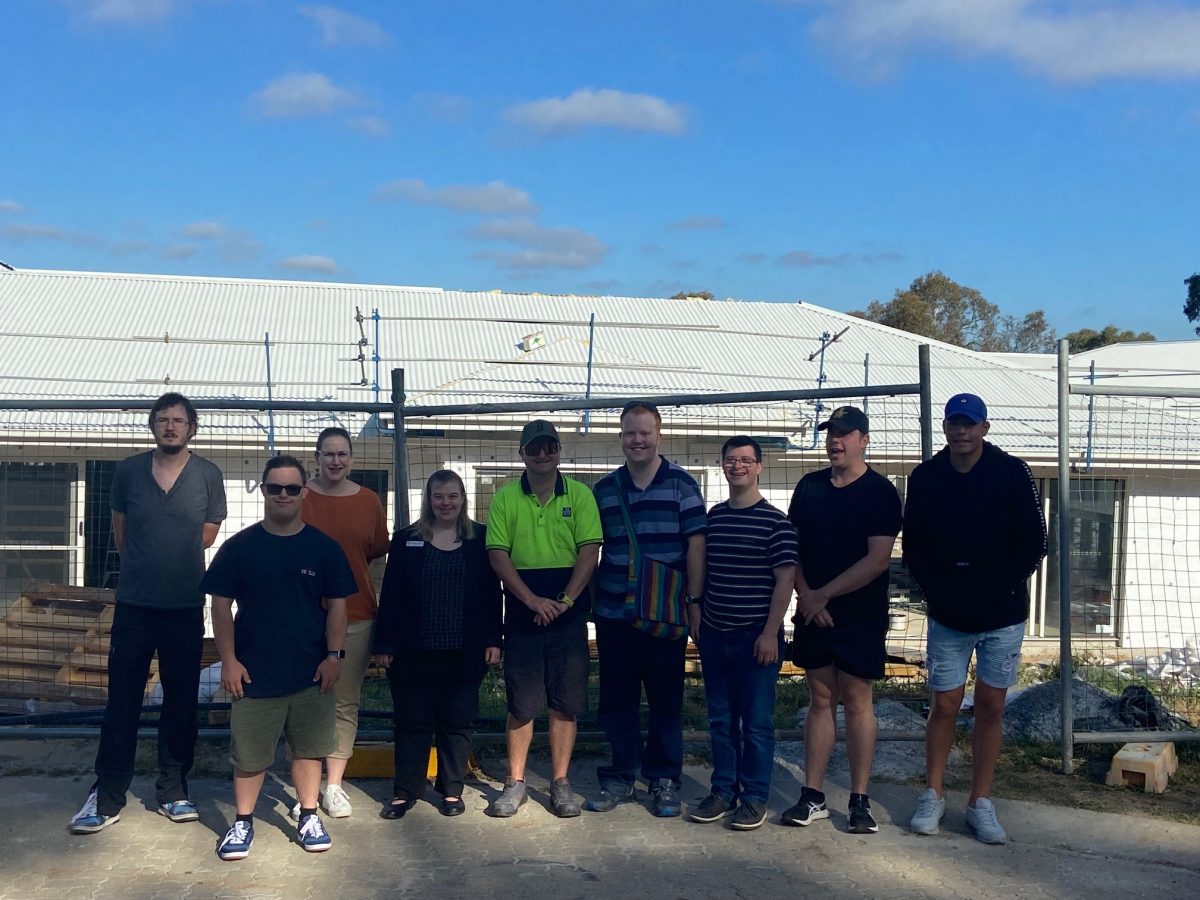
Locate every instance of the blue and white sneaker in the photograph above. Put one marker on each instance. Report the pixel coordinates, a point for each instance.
(179, 810)
(237, 841)
(88, 820)
(313, 836)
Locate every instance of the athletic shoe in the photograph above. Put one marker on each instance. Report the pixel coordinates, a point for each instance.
(929, 813)
(335, 802)
(179, 810)
(607, 800)
(238, 839)
(711, 808)
(807, 809)
(511, 799)
(313, 836)
(861, 820)
(982, 820)
(562, 799)
(88, 821)
(750, 815)
(666, 801)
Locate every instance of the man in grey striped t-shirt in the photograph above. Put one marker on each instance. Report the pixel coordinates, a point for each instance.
(752, 555)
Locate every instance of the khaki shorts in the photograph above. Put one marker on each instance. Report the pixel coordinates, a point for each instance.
(256, 723)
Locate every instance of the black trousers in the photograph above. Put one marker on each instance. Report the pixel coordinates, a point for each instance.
(137, 633)
(431, 699)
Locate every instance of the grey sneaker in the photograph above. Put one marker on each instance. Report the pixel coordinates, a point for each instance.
(666, 801)
(929, 813)
(711, 808)
(750, 815)
(562, 799)
(982, 820)
(511, 799)
(608, 800)
(88, 820)
(335, 801)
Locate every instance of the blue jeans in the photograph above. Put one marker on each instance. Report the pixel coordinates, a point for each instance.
(741, 707)
(997, 656)
(631, 660)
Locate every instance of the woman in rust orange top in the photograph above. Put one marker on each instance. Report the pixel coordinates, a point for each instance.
(353, 516)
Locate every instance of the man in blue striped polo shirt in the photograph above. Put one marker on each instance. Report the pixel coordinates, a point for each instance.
(752, 553)
(667, 512)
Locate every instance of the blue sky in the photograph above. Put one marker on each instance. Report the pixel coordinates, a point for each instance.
(1044, 152)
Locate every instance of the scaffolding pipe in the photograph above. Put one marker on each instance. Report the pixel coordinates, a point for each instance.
(399, 453)
(1064, 555)
(925, 386)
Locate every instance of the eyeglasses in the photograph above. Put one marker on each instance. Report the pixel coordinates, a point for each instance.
(537, 449)
(730, 461)
(292, 490)
(166, 420)
(639, 404)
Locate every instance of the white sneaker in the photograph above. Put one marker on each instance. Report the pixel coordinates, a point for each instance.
(88, 820)
(982, 820)
(929, 813)
(335, 801)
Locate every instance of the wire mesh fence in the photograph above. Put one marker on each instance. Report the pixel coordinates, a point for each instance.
(1133, 605)
(59, 564)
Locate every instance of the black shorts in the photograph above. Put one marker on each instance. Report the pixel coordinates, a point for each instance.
(547, 668)
(861, 653)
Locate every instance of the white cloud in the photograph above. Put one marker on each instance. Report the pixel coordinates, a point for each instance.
(309, 263)
(23, 232)
(11, 207)
(494, 198)
(240, 246)
(204, 231)
(539, 247)
(126, 12)
(131, 245)
(343, 29)
(450, 108)
(178, 251)
(1071, 41)
(804, 259)
(299, 95)
(370, 126)
(698, 223)
(604, 108)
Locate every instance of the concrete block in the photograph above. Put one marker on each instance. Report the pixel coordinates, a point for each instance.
(1146, 765)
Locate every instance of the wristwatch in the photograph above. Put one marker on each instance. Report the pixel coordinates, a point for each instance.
(565, 600)
(335, 654)
(689, 600)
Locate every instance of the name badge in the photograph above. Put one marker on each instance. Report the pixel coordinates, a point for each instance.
(414, 544)
(566, 512)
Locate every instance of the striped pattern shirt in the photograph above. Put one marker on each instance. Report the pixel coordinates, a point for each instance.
(744, 548)
(664, 515)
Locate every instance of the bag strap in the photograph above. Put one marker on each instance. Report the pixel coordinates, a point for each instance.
(634, 550)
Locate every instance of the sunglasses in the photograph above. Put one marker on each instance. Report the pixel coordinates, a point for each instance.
(292, 490)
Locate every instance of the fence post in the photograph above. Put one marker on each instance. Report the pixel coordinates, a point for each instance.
(1064, 555)
(926, 381)
(399, 451)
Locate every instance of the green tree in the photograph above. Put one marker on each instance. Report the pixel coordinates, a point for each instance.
(938, 307)
(1090, 339)
(1191, 308)
(687, 295)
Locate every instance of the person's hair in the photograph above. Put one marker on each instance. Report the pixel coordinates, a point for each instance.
(335, 431)
(284, 462)
(424, 524)
(641, 406)
(166, 401)
(742, 440)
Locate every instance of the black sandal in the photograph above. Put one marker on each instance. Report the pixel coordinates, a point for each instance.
(396, 809)
(453, 807)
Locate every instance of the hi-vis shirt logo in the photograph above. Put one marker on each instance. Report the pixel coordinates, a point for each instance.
(566, 512)
(311, 573)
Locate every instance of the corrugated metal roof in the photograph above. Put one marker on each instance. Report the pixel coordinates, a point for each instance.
(100, 335)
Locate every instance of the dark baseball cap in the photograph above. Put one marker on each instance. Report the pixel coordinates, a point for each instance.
(537, 429)
(968, 405)
(845, 419)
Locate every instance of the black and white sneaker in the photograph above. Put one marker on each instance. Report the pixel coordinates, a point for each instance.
(711, 808)
(861, 820)
(807, 809)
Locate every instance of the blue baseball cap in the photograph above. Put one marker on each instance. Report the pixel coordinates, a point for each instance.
(968, 405)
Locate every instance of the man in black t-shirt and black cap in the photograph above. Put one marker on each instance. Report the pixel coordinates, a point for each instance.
(847, 518)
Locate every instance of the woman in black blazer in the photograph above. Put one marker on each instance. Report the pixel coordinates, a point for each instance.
(437, 632)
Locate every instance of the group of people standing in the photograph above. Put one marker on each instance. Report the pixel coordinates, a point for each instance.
(456, 596)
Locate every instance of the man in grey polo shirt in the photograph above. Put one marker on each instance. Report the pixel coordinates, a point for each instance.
(167, 506)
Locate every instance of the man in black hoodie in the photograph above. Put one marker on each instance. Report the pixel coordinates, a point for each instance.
(973, 534)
